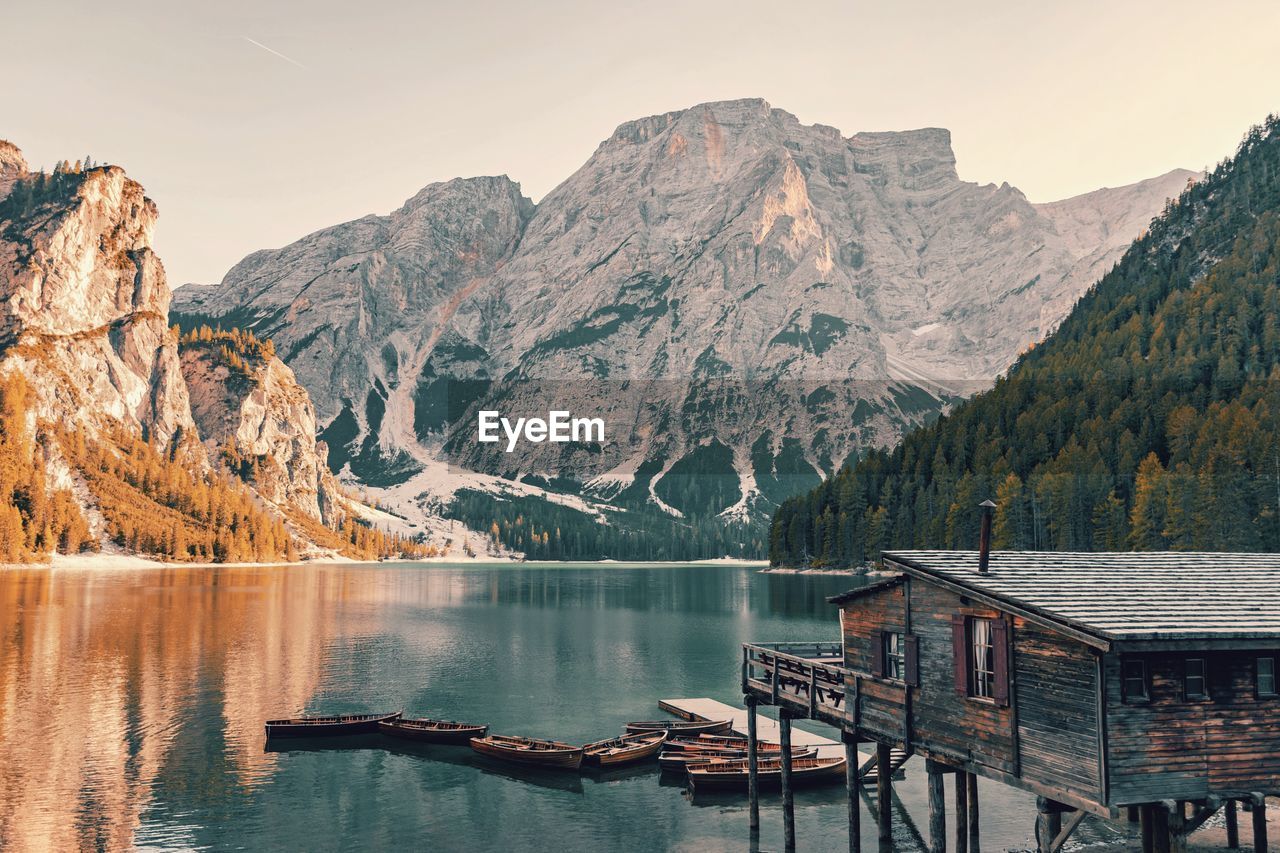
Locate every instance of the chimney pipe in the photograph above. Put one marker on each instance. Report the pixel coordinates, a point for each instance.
(984, 537)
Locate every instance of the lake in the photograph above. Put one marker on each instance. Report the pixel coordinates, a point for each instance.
(132, 704)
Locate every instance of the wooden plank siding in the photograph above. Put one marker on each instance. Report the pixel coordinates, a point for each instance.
(1174, 747)
(1056, 686)
(1053, 682)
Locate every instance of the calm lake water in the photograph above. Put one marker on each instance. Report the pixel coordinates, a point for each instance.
(132, 703)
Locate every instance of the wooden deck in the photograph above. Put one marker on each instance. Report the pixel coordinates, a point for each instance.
(766, 727)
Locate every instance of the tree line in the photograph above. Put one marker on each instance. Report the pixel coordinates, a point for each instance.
(1149, 420)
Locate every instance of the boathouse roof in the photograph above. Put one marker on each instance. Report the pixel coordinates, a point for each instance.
(1117, 596)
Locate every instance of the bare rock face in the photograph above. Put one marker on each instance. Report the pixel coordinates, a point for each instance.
(269, 419)
(736, 293)
(84, 300)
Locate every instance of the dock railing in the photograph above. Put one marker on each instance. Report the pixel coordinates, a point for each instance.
(805, 677)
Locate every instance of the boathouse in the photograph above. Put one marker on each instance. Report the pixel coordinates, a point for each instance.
(1120, 685)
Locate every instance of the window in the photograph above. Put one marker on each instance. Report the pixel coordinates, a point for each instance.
(982, 660)
(1266, 676)
(895, 657)
(1193, 679)
(1134, 674)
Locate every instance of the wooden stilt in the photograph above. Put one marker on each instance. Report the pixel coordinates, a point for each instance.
(884, 791)
(962, 812)
(975, 846)
(1133, 814)
(855, 790)
(788, 796)
(1259, 823)
(1147, 817)
(1233, 825)
(1177, 828)
(753, 764)
(1160, 827)
(937, 808)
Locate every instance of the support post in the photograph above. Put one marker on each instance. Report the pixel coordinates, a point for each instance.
(788, 797)
(1259, 823)
(1160, 818)
(962, 812)
(855, 790)
(1133, 814)
(884, 791)
(937, 808)
(975, 846)
(1233, 825)
(1177, 828)
(1146, 815)
(1048, 824)
(753, 763)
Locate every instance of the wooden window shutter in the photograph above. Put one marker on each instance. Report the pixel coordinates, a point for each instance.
(911, 650)
(1000, 662)
(960, 653)
(877, 654)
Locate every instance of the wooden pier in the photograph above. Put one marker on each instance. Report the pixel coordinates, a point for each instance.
(767, 729)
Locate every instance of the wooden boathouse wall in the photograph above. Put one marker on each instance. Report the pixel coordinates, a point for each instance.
(1044, 738)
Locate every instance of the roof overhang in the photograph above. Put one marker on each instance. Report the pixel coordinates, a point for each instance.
(869, 589)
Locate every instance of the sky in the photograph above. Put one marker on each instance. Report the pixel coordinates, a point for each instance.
(252, 123)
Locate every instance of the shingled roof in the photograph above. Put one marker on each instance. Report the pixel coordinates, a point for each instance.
(1122, 596)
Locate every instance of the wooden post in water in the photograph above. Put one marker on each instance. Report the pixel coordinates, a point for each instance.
(1048, 823)
(1259, 823)
(788, 797)
(975, 845)
(1160, 813)
(753, 763)
(1177, 827)
(1233, 825)
(937, 808)
(855, 790)
(884, 791)
(962, 812)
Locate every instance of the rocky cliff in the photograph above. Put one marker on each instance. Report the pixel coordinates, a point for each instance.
(739, 295)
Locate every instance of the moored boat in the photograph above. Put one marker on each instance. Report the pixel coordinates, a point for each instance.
(623, 750)
(712, 744)
(679, 761)
(527, 750)
(734, 774)
(330, 726)
(431, 731)
(682, 727)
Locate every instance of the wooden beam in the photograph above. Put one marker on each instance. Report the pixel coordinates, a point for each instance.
(1160, 827)
(975, 846)
(1233, 826)
(854, 783)
(1177, 826)
(788, 796)
(884, 791)
(962, 812)
(937, 808)
(1259, 823)
(1147, 818)
(753, 764)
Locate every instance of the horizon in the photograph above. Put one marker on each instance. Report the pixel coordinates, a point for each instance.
(380, 102)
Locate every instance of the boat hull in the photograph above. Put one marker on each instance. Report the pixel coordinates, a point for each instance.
(679, 762)
(681, 727)
(642, 746)
(351, 724)
(734, 774)
(569, 758)
(415, 730)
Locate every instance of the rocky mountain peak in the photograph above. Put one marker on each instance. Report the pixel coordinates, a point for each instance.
(12, 166)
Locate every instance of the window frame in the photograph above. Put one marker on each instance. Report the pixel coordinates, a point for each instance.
(1144, 676)
(1188, 695)
(1257, 677)
(982, 680)
(895, 662)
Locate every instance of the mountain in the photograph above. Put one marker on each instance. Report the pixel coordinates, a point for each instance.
(1149, 420)
(100, 444)
(746, 301)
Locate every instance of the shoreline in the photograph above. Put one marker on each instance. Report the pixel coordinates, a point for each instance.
(125, 562)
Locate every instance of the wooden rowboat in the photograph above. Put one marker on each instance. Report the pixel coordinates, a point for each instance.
(431, 731)
(527, 750)
(700, 745)
(341, 724)
(623, 750)
(678, 761)
(733, 774)
(683, 727)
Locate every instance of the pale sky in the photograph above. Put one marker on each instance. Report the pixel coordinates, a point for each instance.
(252, 126)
